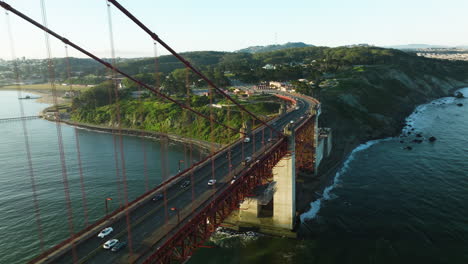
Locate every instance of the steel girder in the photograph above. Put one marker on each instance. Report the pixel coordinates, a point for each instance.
(193, 233)
(305, 145)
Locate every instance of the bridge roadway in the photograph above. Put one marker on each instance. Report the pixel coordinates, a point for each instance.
(150, 214)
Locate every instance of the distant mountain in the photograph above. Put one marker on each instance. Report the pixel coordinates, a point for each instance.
(257, 49)
(417, 46)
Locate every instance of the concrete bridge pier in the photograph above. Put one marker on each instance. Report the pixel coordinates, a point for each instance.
(273, 209)
(284, 199)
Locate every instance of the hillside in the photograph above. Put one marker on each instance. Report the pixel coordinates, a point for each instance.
(268, 48)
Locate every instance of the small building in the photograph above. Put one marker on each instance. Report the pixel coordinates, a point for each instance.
(200, 92)
(269, 67)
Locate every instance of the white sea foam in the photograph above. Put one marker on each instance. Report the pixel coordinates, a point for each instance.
(410, 121)
(326, 195)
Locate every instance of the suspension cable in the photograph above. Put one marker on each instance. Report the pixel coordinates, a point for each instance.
(59, 132)
(78, 149)
(106, 64)
(119, 127)
(184, 61)
(37, 210)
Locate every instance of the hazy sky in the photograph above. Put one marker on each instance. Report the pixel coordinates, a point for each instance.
(231, 25)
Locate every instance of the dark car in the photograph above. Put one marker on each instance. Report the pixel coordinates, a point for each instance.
(119, 246)
(185, 184)
(157, 197)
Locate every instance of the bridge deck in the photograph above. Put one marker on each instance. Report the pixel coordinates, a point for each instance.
(149, 227)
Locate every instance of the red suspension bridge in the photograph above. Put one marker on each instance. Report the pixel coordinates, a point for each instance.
(188, 210)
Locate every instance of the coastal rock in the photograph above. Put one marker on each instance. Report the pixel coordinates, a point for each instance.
(419, 141)
(459, 95)
(408, 148)
(459, 104)
(432, 139)
(418, 135)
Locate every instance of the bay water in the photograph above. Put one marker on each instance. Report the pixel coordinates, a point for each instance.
(19, 235)
(388, 204)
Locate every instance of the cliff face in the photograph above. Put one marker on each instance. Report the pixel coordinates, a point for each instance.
(375, 103)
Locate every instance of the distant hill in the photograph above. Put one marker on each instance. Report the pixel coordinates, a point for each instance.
(417, 46)
(258, 49)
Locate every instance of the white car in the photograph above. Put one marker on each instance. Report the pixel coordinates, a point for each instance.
(246, 140)
(292, 122)
(110, 243)
(211, 182)
(233, 180)
(246, 161)
(106, 231)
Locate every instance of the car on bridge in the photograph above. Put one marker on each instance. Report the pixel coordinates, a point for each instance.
(110, 243)
(106, 231)
(247, 161)
(119, 246)
(212, 182)
(185, 184)
(158, 197)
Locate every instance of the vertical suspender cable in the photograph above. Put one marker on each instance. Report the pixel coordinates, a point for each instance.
(37, 211)
(119, 123)
(78, 149)
(253, 137)
(59, 132)
(212, 139)
(162, 139)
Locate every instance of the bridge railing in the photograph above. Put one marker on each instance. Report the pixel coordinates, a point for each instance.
(208, 213)
(147, 195)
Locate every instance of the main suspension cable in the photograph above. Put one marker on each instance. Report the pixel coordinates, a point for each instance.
(184, 61)
(106, 64)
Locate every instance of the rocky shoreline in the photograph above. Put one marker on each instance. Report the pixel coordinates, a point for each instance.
(313, 187)
(206, 146)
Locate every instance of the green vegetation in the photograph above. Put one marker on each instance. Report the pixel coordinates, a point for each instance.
(289, 45)
(96, 106)
(365, 89)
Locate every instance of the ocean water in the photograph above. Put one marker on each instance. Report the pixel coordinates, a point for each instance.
(19, 240)
(387, 204)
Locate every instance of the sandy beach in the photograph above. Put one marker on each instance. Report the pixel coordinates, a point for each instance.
(45, 96)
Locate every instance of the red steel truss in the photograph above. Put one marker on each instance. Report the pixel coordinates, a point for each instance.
(208, 217)
(305, 145)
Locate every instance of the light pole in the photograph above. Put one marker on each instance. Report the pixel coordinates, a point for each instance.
(180, 161)
(178, 214)
(107, 207)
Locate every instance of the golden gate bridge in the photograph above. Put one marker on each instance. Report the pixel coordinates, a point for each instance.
(155, 235)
